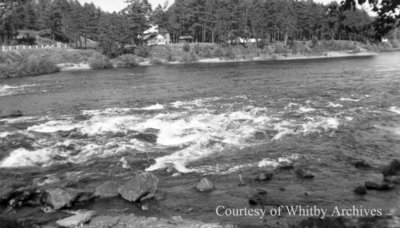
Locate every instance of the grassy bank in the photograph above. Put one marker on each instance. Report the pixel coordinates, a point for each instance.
(38, 62)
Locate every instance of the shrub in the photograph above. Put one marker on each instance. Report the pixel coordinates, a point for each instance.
(99, 61)
(17, 64)
(156, 61)
(206, 52)
(37, 65)
(143, 51)
(197, 48)
(229, 54)
(127, 61)
(218, 53)
(189, 57)
(186, 47)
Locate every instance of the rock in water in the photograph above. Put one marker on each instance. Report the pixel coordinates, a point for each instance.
(378, 186)
(264, 176)
(142, 186)
(360, 190)
(205, 185)
(393, 169)
(305, 174)
(76, 220)
(392, 179)
(14, 114)
(59, 198)
(107, 189)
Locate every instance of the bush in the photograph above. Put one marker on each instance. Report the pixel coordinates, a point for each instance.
(206, 52)
(156, 61)
(99, 61)
(34, 65)
(143, 51)
(189, 57)
(197, 48)
(127, 61)
(17, 64)
(229, 54)
(186, 47)
(218, 53)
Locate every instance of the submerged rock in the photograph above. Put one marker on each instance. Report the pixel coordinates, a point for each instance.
(107, 189)
(392, 179)
(392, 169)
(59, 198)
(361, 164)
(205, 185)
(305, 174)
(142, 186)
(13, 114)
(378, 186)
(47, 180)
(264, 176)
(81, 217)
(360, 190)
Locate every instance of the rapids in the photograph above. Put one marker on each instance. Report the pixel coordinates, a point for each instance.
(213, 119)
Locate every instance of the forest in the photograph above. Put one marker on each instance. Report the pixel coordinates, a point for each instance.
(210, 21)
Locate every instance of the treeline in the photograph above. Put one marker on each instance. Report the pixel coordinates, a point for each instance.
(211, 21)
(70, 21)
(265, 20)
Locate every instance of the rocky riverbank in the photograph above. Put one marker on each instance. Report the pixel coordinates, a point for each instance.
(125, 195)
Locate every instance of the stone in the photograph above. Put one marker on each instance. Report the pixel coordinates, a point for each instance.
(264, 176)
(360, 190)
(361, 164)
(81, 217)
(47, 180)
(378, 186)
(305, 174)
(392, 179)
(392, 169)
(205, 185)
(13, 114)
(142, 186)
(107, 189)
(59, 198)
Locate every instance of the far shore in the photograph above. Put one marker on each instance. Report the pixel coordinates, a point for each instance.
(280, 57)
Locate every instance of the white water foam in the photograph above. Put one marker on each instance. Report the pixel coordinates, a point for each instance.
(395, 109)
(199, 129)
(333, 105)
(349, 99)
(7, 90)
(154, 107)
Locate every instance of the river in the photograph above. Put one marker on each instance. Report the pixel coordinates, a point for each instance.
(213, 120)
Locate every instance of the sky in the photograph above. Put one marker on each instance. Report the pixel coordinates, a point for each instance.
(117, 5)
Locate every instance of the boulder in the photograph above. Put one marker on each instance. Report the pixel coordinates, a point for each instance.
(361, 164)
(107, 189)
(59, 198)
(360, 190)
(142, 186)
(392, 179)
(205, 185)
(13, 114)
(392, 169)
(378, 186)
(47, 180)
(81, 217)
(305, 174)
(264, 176)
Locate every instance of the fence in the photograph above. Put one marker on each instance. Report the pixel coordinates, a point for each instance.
(26, 47)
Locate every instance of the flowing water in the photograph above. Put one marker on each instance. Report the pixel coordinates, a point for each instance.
(215, 119)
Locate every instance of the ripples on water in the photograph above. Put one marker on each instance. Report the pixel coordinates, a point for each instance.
(210, 119)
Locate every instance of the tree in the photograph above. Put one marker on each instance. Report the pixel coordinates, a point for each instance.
(387, 14)
(138, 15)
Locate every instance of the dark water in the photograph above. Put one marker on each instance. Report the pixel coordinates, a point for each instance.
(217, 120)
